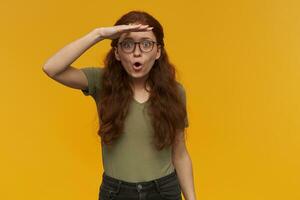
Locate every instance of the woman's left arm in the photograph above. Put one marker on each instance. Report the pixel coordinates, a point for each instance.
(183, 165)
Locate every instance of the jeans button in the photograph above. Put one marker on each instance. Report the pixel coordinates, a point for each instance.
(139, 186)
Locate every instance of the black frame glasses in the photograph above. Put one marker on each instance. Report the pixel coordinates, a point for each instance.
(139, 43)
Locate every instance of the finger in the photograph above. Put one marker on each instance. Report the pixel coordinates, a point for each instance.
(128, 27)
(135, 25)
(136, 28)
(131, 25)
(142, 29)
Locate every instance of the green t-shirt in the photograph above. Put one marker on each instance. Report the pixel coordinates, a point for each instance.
(132, 158)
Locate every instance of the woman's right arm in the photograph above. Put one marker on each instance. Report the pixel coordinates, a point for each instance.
(58, 67)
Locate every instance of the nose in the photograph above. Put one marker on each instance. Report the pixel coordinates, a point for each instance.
(136, 50)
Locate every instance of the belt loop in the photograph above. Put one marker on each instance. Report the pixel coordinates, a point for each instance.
(112, 194)
(157, 185)
(119, 185)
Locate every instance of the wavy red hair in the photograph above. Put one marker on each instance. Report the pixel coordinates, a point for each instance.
(166, 109)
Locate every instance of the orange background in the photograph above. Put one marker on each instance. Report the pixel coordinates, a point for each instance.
(238, 61)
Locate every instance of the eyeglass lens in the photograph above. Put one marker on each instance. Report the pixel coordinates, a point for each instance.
(145, 45)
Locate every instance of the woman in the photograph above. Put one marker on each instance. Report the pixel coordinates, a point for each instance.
(141, 109)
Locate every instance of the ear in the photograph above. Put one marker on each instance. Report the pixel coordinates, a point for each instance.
(117, 54)
(158, 53)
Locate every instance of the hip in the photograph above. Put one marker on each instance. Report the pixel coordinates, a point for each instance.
(163, 188)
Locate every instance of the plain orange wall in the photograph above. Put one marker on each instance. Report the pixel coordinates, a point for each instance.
(238, 60)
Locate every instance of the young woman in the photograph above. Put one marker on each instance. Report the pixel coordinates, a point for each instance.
(141, 108)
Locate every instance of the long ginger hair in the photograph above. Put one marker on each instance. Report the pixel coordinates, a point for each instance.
(166, 108)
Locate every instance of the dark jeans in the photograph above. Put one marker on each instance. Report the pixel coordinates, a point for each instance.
(163, 188)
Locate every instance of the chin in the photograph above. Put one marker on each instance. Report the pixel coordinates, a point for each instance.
(135, 75)
(138, 74)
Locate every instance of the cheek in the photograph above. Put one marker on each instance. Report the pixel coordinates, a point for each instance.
(155, 53)
(124, 59)
(152, 59)
(150, 64)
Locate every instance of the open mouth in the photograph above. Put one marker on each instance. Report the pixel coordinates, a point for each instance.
(137, 65)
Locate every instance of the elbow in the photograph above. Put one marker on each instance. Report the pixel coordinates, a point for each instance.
(47, 71)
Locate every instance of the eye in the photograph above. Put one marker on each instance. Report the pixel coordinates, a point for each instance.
(127, 44)
(146, 43)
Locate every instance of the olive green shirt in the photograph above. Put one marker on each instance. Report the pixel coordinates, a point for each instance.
(132, 158)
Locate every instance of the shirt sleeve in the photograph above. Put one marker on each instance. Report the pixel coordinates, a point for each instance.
(183, 97)
(94, 77)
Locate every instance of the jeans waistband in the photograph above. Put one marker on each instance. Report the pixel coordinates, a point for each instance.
(138, 186)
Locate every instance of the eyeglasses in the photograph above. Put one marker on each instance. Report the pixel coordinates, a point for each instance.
(128, 46)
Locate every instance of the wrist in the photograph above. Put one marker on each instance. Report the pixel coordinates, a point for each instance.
(96, 35)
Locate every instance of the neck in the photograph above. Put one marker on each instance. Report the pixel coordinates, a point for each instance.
(138, 83)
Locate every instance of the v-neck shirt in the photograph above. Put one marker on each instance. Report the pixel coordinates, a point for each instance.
(132, 158)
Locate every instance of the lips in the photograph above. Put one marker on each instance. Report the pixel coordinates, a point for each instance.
(137, 65)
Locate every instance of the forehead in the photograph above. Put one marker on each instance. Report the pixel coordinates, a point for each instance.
(137, 35)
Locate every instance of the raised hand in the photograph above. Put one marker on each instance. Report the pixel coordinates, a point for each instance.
(114, 32)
